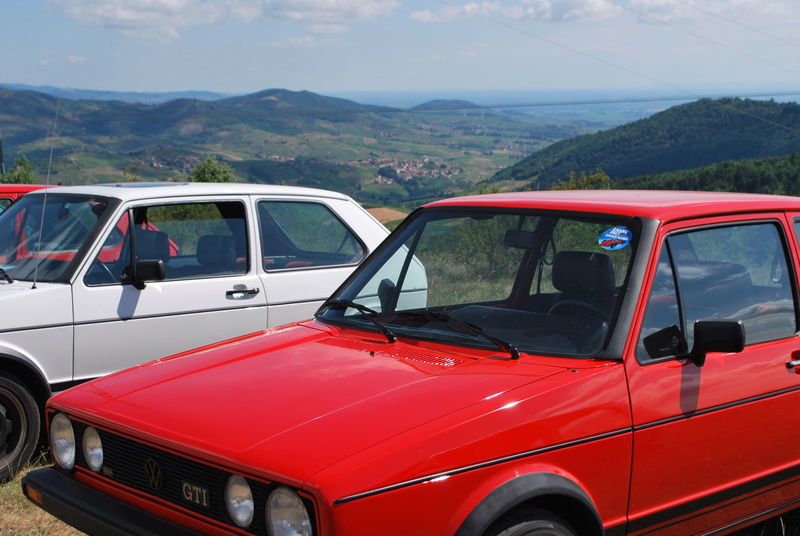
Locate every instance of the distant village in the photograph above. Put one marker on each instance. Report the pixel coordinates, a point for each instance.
(404, 170)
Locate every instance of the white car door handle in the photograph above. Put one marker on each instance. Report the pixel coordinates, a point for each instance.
(242, 292)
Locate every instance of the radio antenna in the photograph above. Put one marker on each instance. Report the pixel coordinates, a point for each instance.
(44, 201)
(2, 160)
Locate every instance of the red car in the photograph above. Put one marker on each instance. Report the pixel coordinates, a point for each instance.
(10, 192)
(541, 363)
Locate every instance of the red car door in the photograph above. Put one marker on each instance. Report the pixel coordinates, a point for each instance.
(714, 441)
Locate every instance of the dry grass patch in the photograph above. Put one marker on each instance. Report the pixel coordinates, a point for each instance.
(20, 517)
(385, 215)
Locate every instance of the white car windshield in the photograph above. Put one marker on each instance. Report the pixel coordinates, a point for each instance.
(44, 236)
(515, 281)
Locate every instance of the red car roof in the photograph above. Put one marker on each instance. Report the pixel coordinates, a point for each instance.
(20, 188)
(658, 204)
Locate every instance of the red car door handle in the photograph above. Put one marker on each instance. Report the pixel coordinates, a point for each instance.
(793, 365)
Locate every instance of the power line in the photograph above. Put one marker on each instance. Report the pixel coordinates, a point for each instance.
(737, 23)
(704, 38)
(570, 49)
(632, 71)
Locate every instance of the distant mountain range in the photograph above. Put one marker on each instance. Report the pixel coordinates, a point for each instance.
(122, 96)
(386, 155)
(276, 136)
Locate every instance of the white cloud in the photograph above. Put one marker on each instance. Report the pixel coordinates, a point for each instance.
(76, 59)
(329, 28)
(680, 11)
(161, 19)
(565, 10)
(453, 13)
(550, 10)
(327, 11)
(577, 10)
(305, 41)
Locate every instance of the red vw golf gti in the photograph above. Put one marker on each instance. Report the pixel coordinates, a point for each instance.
(541, 363)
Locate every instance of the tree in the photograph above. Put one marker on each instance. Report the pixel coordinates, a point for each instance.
(597, 180)
(131, 173)
(212, 170)
(21, 173)
(388, 172)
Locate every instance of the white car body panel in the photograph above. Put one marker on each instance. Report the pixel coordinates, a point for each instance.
(164, 318)
(23, 306)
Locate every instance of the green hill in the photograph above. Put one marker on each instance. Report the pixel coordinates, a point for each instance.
(683, 137)
(276, 135)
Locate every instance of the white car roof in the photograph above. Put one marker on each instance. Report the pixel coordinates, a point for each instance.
(132, 191)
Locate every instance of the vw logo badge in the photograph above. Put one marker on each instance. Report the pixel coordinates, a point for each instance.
(152, 473)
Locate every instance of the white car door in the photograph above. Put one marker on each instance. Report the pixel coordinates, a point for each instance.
(211, 289)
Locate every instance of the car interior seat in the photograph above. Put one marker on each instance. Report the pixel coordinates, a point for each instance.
(216, 253)
(586, 284)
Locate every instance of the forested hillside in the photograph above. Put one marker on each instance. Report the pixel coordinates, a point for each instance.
(683, 137)
(772, 175)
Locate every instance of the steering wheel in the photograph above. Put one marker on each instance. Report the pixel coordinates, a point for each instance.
(584, 310)
(578, 308)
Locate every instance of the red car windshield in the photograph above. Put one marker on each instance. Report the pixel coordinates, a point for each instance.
(520, 281)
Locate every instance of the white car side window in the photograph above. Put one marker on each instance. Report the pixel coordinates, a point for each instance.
(192, 240)
(303, 234)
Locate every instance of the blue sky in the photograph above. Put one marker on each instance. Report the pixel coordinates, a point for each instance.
(668, 47)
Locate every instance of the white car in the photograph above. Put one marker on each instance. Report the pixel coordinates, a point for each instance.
(94, 279)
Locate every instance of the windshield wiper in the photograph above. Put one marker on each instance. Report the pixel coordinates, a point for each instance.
(467, 328)
(5, 276)
(366, 312)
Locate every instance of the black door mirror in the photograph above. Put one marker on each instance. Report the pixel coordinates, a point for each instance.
(716, 336)
(148, 270)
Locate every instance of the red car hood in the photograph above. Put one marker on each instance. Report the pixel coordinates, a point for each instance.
(296, 400)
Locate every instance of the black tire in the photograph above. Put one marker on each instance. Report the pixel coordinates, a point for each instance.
(530, 522)
(19, 426)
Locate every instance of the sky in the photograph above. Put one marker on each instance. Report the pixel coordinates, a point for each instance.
(686, 48)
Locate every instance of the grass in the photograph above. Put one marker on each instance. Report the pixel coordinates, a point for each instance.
(20, 517)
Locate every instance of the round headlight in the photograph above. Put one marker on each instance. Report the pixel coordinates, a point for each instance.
(286, 514)
(239, 501)
(62, 441)
(92, 449)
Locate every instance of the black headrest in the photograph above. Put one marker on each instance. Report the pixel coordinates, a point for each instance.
(152, 245)
(216, 250)
(576, 272)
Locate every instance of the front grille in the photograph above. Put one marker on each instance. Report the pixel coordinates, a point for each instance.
(184, 482)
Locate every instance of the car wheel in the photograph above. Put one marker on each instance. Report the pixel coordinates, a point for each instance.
(19, 426)
(530, 522)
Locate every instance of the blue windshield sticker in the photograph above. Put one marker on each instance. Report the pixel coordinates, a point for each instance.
(615, 238)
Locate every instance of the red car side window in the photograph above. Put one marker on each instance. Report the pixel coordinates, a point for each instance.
(733, 272)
